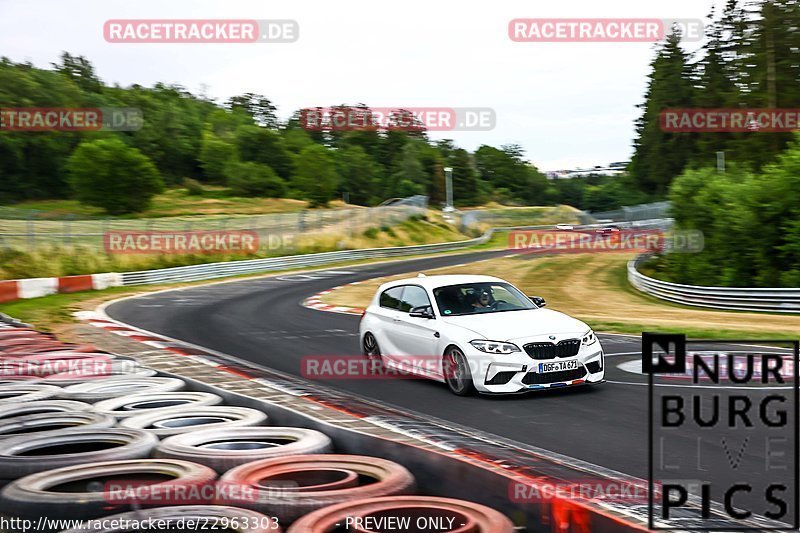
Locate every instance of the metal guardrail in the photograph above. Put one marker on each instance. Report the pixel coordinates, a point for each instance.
(773, 300)
(271, 264)
(252, 266)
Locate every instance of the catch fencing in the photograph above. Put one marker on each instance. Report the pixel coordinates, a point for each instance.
(30, 229)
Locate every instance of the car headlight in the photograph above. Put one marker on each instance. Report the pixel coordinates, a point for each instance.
(589, 338)
(495, 346)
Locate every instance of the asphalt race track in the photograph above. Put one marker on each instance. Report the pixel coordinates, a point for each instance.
(262, 321)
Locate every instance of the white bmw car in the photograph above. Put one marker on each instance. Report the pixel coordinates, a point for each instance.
(477, 333)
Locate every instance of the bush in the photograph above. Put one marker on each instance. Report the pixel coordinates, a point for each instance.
(316, 175)
(371, 233)
(254, 179)
(109, 174)
(193, 187)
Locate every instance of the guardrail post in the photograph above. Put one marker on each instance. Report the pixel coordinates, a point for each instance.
(68, 228)
(31, 229)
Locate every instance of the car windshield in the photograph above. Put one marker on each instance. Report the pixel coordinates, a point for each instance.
(475, 298)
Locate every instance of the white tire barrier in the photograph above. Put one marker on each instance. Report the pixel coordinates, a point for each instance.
(139, 404)
(98, 489)
(27, 454)
(176, 421)
(224, 449)
(103, 389)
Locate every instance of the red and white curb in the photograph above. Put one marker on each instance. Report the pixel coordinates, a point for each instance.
(19, 289)
(315, 302)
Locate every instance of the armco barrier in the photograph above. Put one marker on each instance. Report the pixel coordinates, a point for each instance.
(252, 266)
(775, 300)
(36, 287)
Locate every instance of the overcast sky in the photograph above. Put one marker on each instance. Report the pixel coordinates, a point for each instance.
(567, 104)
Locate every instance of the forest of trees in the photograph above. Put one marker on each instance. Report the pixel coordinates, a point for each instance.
(241, 145)
(748, 212)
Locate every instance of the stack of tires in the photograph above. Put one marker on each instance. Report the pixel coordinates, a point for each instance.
(87, 435)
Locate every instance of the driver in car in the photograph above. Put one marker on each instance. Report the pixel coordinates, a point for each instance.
(483, 301)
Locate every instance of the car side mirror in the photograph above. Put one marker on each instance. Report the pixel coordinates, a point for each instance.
(423, 311)
(538, 300)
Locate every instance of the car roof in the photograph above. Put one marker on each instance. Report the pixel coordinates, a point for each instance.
(432, 282)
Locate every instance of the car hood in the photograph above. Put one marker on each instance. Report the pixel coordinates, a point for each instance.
(510, 325)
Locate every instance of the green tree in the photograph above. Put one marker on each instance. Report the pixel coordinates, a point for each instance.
(315, 175)
(358, 173)
(109, 174)
(254, 179)
(659, 156)
(215, 155)
(262, 145)
(257, 107)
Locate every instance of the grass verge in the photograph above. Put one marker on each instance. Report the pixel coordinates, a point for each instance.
(594, 288)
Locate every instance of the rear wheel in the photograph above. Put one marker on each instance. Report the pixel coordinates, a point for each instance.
(372, 351)
(457, 373)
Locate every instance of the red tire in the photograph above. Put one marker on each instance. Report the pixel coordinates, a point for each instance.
(293, 486)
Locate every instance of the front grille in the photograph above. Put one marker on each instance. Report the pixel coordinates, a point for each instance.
(548, 350)
(594, 367)
(501, 378)
(533, 378)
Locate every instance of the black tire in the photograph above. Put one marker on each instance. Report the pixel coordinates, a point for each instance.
(457, 372)
(115, 387)
(223, 449)
(167, 422)
(372, 351)
(68, 447)
(237, 519)
(50, 422)
(139, 404)
(85, 491)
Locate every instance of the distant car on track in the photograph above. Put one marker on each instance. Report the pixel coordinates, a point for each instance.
(565, 227)
(486, 335)
(608, 230)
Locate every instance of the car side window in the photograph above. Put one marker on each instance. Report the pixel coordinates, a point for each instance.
(390, 298)
(413, 297)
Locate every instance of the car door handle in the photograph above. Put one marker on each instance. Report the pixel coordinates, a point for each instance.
(436, 334)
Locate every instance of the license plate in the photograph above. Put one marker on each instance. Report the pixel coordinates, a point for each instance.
(558, 366)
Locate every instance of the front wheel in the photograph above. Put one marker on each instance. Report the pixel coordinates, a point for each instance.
(457, 373)
(372, 352)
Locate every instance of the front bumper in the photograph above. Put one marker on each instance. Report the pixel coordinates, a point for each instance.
(518, 372)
